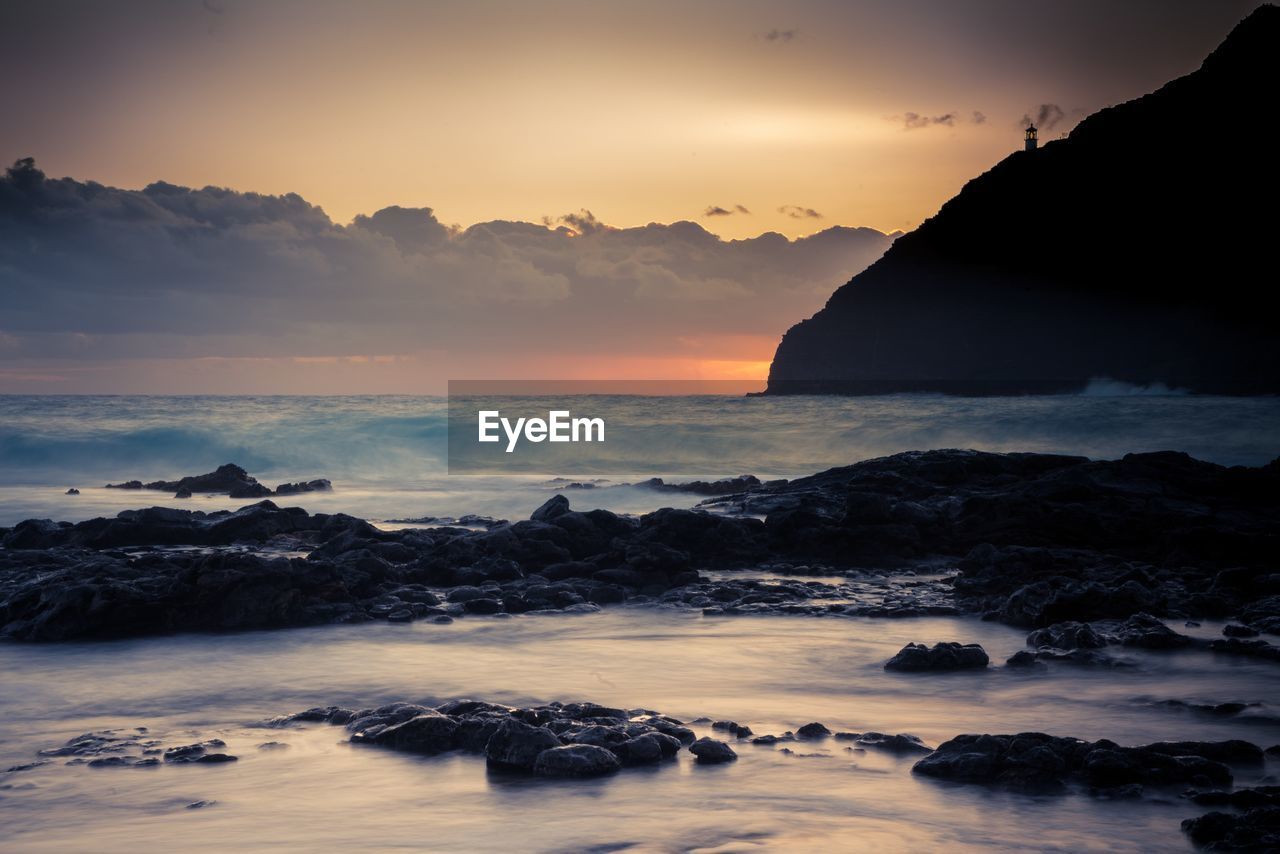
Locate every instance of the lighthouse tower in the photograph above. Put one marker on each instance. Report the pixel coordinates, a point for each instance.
(1031, 139)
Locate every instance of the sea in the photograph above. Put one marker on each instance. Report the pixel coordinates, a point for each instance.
(387, 459)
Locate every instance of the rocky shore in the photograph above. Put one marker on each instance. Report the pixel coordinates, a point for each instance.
(1031, 540)
(587, 739)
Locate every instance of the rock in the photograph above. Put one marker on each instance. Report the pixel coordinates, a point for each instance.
(318, 485)
(712, 752)
(1256, 648)
(901, 743)
(737, 729)
(229, 479)
(1036, 760)
(1254, 830)
(188, 753)
(428, 733)
(516, 745)
(73, 491)
(576, 760)
(1040, 540)
(1069, 635)
(916, 657)
(813, 730)
(1237, 631)
(1086, 657)
(1148, 632)
(648, 748)
(553, 507)
(727, 486)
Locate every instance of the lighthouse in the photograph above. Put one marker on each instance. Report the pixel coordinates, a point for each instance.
(1031, 140)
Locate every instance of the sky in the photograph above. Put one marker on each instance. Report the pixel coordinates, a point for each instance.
(575, 188)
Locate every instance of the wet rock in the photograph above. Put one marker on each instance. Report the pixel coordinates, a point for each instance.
(1039, 540)
(1254, 830)
(712, 752)
(916, 657)
(1215, 709)
(813, 730)
(648, 748)
(1037, 760)
(556, 505)
(428, 733)
(670, 726)
(205, 752)
(1232, 751)
(733, 727)
(727, 486)
(900, 743)
(1237, 631)
(72, 491)
(1068, 635)
(1086, 657)
(1148, 632)
(576, 760)
(516, 745)
(1247, 798)
(318, 485)
(1256, 648)
(123, 762)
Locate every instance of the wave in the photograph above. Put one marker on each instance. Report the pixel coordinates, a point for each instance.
(1107, 387)
(392, 441)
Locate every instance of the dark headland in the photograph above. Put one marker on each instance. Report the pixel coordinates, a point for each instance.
(1139, 249)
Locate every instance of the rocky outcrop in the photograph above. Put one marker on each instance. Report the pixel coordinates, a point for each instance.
(229, 479)
(1014, 287)
(1033, 760)
(554, 740)
(1039, 540)
(916, 657)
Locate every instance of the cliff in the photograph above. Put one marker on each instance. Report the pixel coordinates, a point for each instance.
(1140, 248)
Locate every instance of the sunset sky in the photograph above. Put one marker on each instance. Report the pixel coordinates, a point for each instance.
(742, 117)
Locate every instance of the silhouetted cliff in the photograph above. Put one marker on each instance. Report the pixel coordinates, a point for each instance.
(1140, 248)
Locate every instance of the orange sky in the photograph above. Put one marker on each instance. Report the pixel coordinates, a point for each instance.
(639, 112)
(792, 117)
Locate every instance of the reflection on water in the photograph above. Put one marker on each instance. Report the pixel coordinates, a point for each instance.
(770, 673)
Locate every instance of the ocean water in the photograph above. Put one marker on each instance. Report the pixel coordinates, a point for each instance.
(387, 456)
(773, 674)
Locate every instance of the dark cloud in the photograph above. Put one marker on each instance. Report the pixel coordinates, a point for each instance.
(798, 212)
(582, 222)
(915, 121)
(781, 35)
(94, 272)
(1046, 118)
(716, 210)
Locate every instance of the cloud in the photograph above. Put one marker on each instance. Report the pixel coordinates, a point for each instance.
(915, 121)
(94, 273)
(782, 36)
(716, 210)
(582, 222)
(978, 117)
(798, 212)
(1047, 117)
